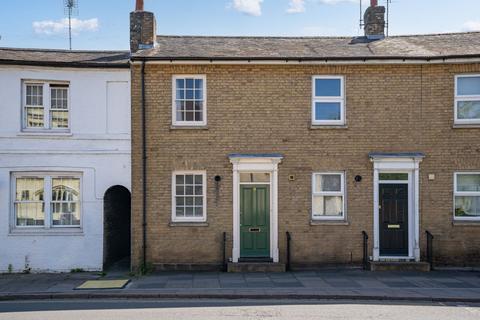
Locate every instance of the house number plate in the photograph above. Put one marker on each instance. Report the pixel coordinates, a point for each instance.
(254, 230)
(393, 226)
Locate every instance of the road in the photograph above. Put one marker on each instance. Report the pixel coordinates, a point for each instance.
(232, 309)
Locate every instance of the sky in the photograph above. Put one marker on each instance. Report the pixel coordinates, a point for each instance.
(104, 24)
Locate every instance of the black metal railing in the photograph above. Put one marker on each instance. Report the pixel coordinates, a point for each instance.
(365, 250)
(429, 248)
(289, 239)
(224, 249)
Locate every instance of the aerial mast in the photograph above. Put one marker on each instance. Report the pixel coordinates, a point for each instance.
(71, 8)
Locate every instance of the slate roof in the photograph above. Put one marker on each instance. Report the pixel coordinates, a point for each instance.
(434, 46)
(65, 58)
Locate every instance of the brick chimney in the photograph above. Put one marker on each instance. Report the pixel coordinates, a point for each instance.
(143, 28)
(374, 20)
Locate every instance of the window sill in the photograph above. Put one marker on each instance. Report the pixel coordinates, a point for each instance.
(327, 126)
(466, 126)
(176, 127)
(329, 223)
(44, 134)
(188, 224)
(466, 223)
(47, 232)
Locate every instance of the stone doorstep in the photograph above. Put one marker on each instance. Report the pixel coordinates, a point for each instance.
(399, 266)
(256, 267)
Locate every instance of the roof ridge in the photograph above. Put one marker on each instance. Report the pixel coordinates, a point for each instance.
(256, 37)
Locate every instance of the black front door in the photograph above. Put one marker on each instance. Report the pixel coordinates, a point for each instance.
(393, 219)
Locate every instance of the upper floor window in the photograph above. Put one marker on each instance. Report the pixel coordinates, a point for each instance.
(46, 200)
(328, 196)
(45, 106)
(467, 99)
(189, 100)
(467, 195)
(328, 100)
(189, 196)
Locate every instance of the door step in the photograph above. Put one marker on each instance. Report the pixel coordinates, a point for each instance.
(256, 267)
(399, 266)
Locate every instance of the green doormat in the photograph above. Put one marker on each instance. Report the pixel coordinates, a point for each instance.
(103, 284)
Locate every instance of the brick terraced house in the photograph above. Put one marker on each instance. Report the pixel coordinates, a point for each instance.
(321, 137)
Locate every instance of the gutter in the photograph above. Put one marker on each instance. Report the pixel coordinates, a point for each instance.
(144, 172)
(313, 60)
(89, 65)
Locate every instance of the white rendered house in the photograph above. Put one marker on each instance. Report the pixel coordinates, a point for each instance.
(64, 158)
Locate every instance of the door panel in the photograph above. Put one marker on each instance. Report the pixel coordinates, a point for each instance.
(393, 219)
(254, 221)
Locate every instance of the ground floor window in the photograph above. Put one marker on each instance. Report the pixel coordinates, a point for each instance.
(189, 196)
(467, 195)
(46, 200)
(328, 196)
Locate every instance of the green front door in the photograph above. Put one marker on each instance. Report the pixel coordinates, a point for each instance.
(254, 221)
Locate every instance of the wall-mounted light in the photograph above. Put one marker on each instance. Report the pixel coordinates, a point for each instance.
(358, 178)
(218, 178)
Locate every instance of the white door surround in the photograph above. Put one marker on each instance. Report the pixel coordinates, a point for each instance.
(398, 163)
(267, 163)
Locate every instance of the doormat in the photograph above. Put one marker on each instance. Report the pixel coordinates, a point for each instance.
(103, 284)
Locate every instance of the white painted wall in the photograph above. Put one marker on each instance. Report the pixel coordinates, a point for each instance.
(98, 146)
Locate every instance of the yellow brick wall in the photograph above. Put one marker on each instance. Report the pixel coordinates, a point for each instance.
(267, 109)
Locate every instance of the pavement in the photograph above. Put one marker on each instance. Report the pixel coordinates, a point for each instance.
(435, 286)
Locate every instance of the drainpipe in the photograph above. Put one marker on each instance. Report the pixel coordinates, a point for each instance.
(144, 171)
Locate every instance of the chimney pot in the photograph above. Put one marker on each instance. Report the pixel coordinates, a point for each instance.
(139, 5)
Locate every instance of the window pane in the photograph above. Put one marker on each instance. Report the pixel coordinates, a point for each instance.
(65, 206)
(199, 201)
(468, 110)
(468, 86)
(328, 87)
(179, 179)
(180, 201)
(189, 201)
(468, 182)
(393, 176)
(59, 119)
(198, 95)
(189, 83)
(198, 83)
(180, 211)
(331, 183)
(189, 94)
(255, 177)
(198, 212)
(467, 206)
(198, 179)
(29, 204)
(189, 212)
(327, 111)
(328, 206)
(180, 83)
(34, 117)
(179, 190)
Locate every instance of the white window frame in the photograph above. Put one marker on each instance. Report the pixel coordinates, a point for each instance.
(459, 98)
(341, 193)
(194, 123)
(340, 100)
(47, 198)
(464, 194)
(47, 106)
(203, 173)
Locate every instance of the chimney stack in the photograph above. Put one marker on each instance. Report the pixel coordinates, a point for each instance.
(374, 20)
(143, 28)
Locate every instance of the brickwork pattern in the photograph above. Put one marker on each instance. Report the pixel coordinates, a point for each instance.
(266, 109)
